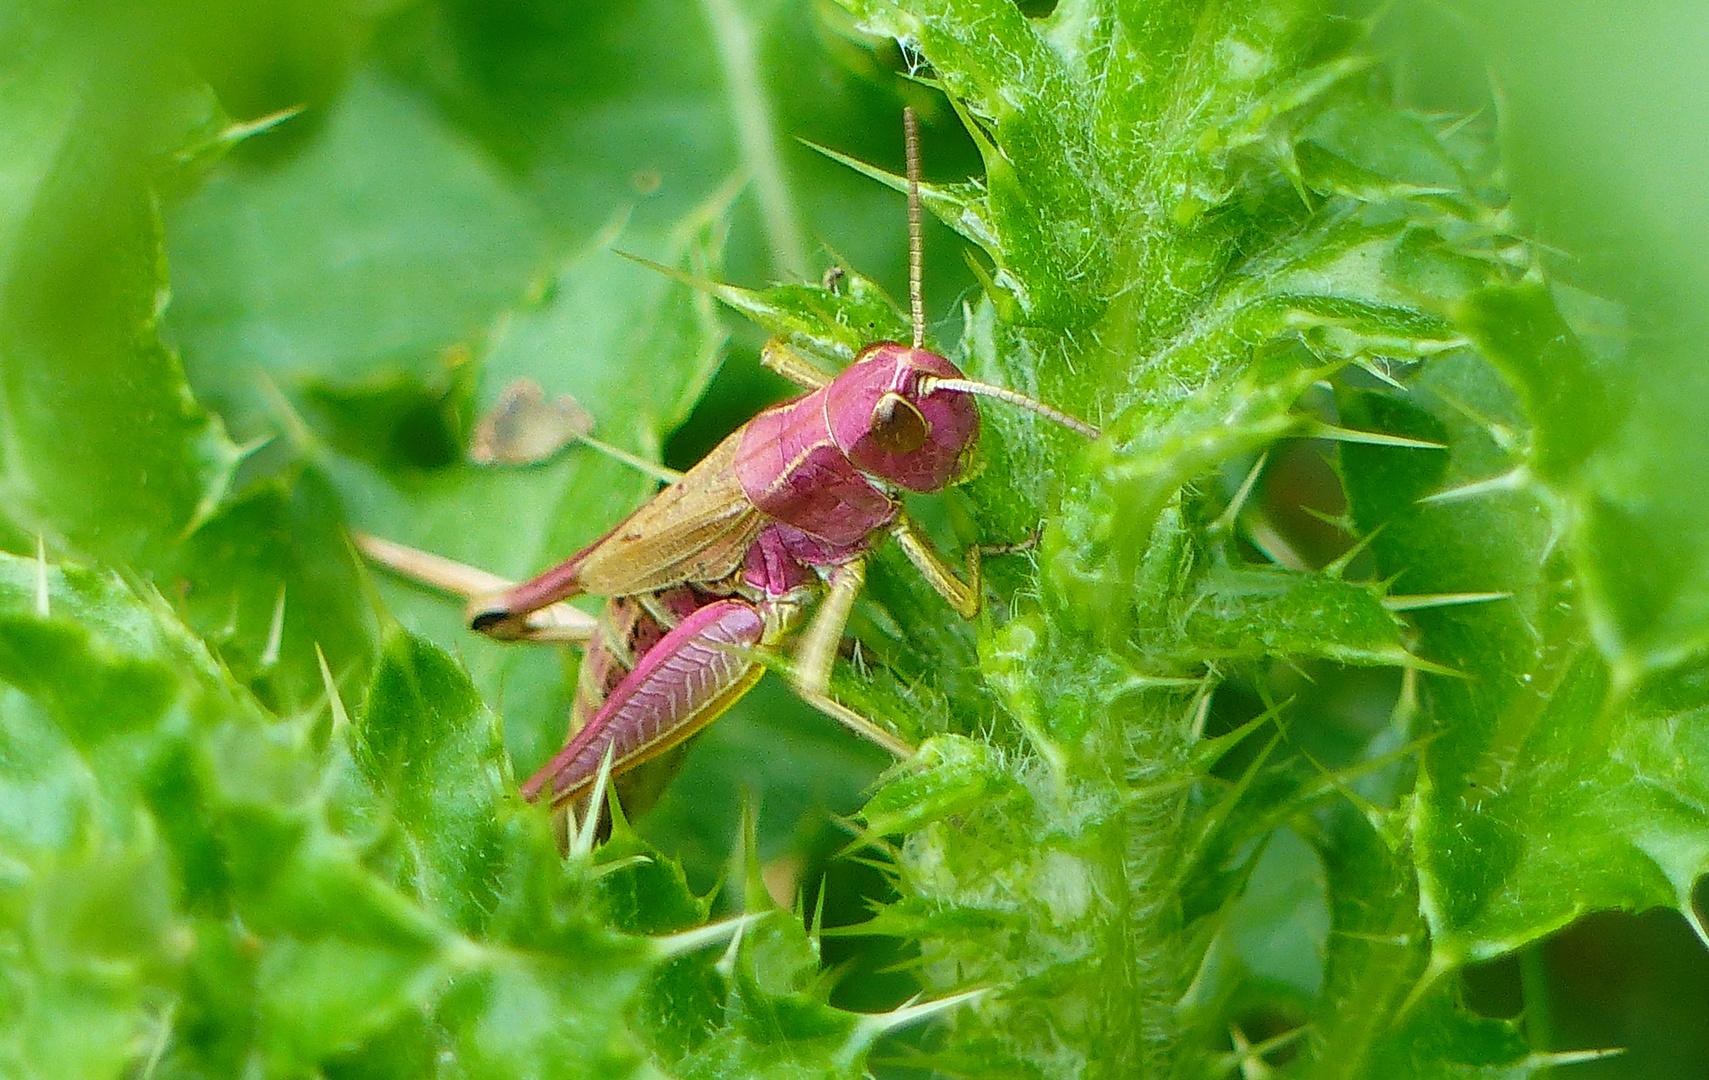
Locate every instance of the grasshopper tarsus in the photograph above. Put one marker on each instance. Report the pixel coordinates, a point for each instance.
(1016, 548)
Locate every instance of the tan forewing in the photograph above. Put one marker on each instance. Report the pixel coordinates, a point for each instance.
(698, 529)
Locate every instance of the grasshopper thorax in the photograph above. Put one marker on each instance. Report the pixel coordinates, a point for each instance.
(887, 422)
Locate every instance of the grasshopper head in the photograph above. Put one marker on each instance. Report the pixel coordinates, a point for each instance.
(891, 429)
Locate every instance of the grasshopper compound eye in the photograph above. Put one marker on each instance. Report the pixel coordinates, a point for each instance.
(897, 426)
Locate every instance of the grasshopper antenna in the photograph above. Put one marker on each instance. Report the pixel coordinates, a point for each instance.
(930, 384)
(916, 300)
(917, 303)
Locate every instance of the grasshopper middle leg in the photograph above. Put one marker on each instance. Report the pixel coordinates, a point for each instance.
(812, 675)
(966, 597)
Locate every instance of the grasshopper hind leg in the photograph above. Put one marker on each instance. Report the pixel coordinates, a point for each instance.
(688, 679)
(554, 622)
(636, 791)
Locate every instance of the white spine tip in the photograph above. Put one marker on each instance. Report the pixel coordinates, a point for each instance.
(871, 1026)
(42, 605)
(275, 631)
(1419, 601)
(674, 945)
(340, 716)
(581, 846)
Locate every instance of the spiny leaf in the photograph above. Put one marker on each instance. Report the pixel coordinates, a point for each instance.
(100, 425)
(1207, 767)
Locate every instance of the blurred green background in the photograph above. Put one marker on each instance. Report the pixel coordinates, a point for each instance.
(1604, 118)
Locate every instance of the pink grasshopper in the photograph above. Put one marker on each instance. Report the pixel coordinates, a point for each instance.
(723, 563)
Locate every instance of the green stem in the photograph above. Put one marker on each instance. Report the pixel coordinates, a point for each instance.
(1534, 986)
(756, 133)
(1148, 934)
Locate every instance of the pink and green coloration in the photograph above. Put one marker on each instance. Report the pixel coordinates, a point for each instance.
(723, 562)
(820, 477)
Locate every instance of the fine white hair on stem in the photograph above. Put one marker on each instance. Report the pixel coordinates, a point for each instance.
(912, 55)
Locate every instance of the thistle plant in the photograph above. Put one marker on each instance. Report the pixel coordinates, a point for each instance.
(1361, 650)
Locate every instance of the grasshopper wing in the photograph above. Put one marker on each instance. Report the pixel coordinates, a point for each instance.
(698, 529)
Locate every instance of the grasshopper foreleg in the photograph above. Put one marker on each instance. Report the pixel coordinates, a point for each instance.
(966, 597)
(779, 357)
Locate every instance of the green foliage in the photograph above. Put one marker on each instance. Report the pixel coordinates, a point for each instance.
(1364, 648)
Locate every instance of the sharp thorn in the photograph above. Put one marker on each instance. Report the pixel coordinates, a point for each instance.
(1452, 127)
(1688, 907)
(582, 845)
(617, 865)
(1507, 481)
(1208, 751)
(1379, 374)
(164, 1023)
(873, 1025)
(1340, 522)
(730, 294)
(248, 129)
(1316, 429)
(888, 179)
(237, 132)
(1225, 520)
(1548, 1059)
(1345, 559)
(1409, 662)
(255, 446)
(1439, 965)
(335, 702)
(1139, 684)
(726, 965)
(1435, 600)
(815, 929)
(275, 631)
(1262, 533)
(297, 430)
(674, 945)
